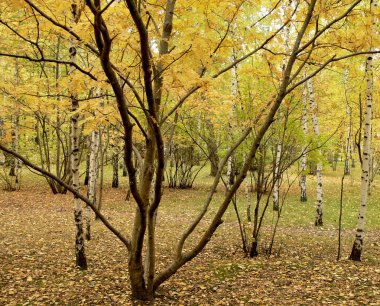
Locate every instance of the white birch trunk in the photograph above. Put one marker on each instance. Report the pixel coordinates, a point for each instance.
(235, 96)
(81, 261)
(15, 137)
(304, 154)
(277, 171)
(371, 173)
(276, 178)
(17, 162)
(313, 110)
(347, 169)
(92, 179)
(247, 195)
(358, 243)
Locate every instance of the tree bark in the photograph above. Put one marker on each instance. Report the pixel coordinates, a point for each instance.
(235, 97)
(115, 169)
(304, 154)
(81, 260)
(313, 110)
(357, 247)
(276, 178)
(93, 171)
(347, 157)
(212, 149)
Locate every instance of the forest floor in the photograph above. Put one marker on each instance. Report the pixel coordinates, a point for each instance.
(37, 255)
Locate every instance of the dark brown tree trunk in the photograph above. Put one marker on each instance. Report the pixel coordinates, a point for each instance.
(87, 176)
(253, 252)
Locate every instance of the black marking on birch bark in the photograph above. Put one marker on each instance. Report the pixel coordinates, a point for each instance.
(81, 260)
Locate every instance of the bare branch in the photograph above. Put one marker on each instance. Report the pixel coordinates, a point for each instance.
(50, 60)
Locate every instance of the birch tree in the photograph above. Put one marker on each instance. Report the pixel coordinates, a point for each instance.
(93, 171)
(357, 247)
(279, 147)
(304, 148)
(235, 96)
(81, 260)
(347, 150)
(314, 119)
(15, 168)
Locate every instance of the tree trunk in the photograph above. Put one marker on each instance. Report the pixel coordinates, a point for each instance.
(358, 243)
(235, 96)
(347, 156)
(102, 150)
(79, 239)
(335, 161)
(15, 164)
(276, 178)
(247, 193)
(81, 260)
(87, 174)
(125, 171)
(115, 164)
(93, 170)
(304, 154)
(212, 149)
(313, 110)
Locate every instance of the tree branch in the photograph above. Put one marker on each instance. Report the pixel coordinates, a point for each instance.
(123, 239)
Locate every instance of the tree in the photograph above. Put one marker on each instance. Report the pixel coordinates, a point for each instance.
(156, 73)
(93, 171)
(81, 260)
(313, 111)
(357, 247)
(304, 148)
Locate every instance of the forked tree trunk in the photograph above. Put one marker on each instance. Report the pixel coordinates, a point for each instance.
(313, 110)
(81, 260)
(357, 247)
(154, 159)
(144, 226)
(304, 148)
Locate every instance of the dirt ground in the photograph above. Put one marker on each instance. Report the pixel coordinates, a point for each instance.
(37, 261)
